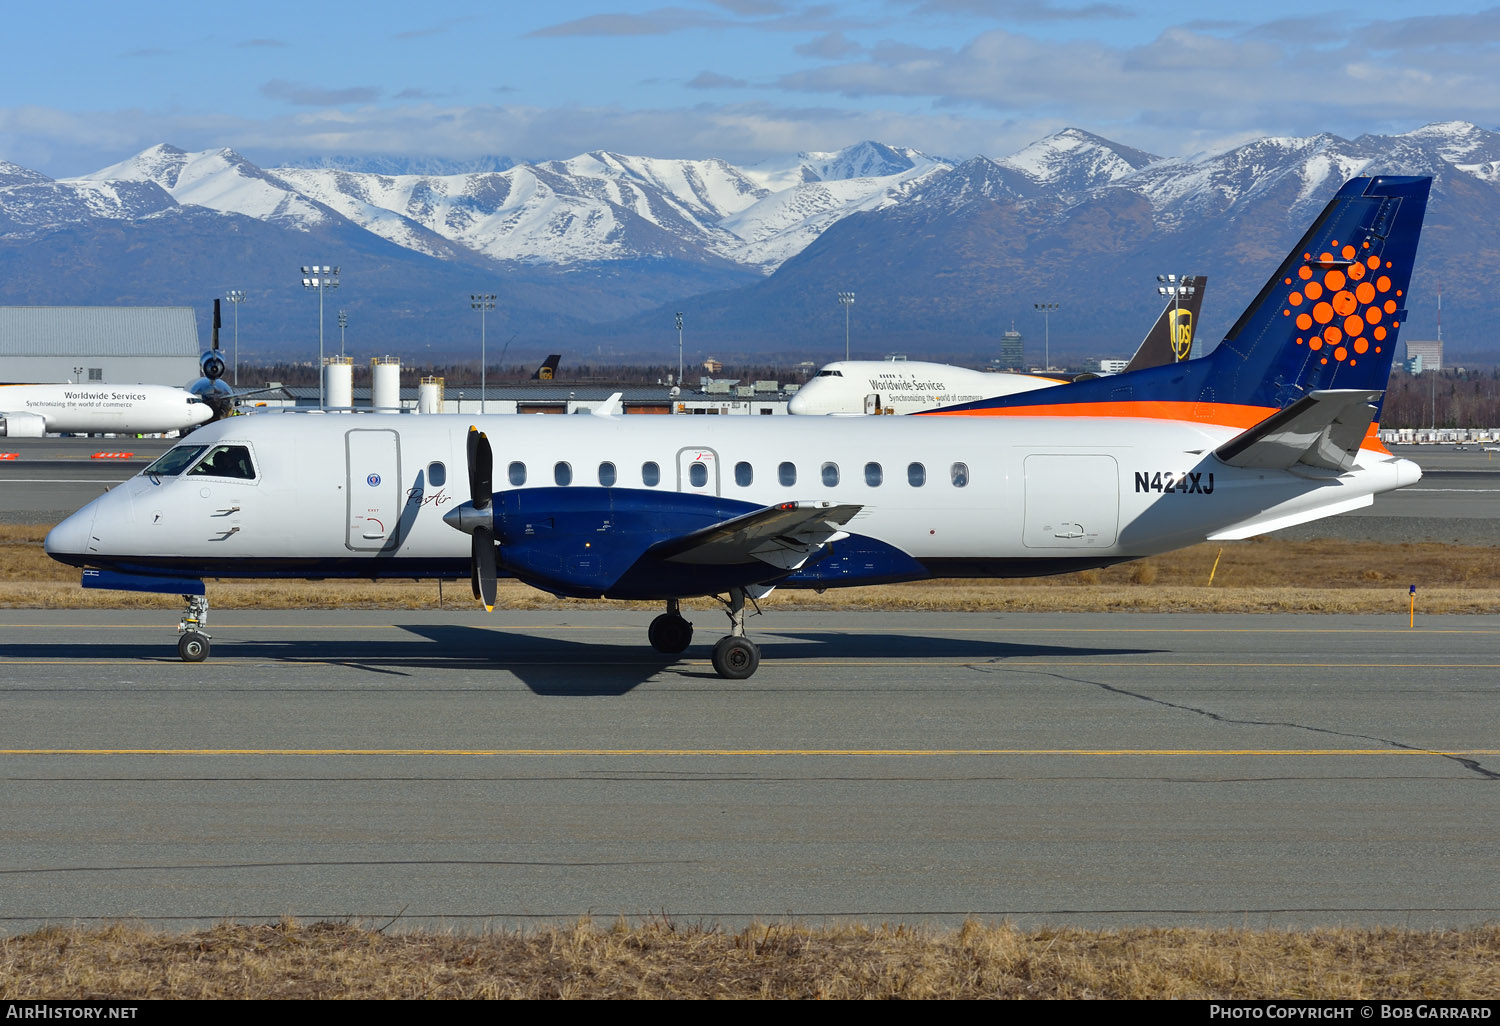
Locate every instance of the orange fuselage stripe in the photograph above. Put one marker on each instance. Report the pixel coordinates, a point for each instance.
(1226, 415)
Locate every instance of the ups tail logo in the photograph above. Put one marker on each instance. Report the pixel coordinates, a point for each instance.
(1181, 333)
(544, 374)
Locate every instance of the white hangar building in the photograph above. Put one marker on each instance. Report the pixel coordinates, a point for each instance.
(120, 345)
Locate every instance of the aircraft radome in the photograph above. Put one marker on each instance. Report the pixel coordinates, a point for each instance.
(1275, 427)
(851, 387)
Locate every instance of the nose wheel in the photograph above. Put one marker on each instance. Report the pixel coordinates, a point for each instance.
(192, 645)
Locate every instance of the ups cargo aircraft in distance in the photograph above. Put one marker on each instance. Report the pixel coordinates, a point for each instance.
(31, 411)
(1275, 427)
(851, 387)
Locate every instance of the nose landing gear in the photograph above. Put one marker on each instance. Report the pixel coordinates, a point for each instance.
(193, 645)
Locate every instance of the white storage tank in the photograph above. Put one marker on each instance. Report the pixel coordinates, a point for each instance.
(430, 395)
(385, 390)
(338, 382)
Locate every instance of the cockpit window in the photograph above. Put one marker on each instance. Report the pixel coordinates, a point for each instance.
(226, 461)
(830, 374)
(174, 461)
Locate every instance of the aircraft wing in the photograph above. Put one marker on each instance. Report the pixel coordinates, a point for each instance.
(1322, 429)
(785, 536)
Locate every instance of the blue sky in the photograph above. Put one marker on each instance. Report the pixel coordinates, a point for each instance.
(85, 85)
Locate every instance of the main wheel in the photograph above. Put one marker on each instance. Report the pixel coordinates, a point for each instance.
(670, 633)
(193, 647)
(735, 658)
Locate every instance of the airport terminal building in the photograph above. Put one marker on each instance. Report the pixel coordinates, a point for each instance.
(122, 345)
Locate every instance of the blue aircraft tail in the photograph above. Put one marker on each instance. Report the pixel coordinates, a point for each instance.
(1327, 319)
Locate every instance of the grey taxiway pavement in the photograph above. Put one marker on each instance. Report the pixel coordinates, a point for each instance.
(464, 770)
(470, 770)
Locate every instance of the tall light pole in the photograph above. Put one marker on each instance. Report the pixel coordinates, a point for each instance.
(481, 301)
(1439, 356)
(1047, 309)
(343, 323)
(679, 349)
(1175, 287)
(236, 296)
(320, 278)
(847, 300)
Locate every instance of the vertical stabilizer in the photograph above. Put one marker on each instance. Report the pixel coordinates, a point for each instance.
(1328, 318)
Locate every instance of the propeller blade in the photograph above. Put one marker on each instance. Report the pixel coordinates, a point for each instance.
(481, 469)
(482, 567)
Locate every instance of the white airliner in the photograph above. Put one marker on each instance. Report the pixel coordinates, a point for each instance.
(1275, 427)
(31, 411)
(907, 386)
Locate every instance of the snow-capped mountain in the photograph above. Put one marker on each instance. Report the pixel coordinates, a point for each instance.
(218, 179)
(610, 206)
(1073, 161)
(15, 174)
(926, 241)
(45, 203)
(399, 164)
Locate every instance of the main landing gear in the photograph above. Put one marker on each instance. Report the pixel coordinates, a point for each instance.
(734, 657)
(192, 646)
(669, 632)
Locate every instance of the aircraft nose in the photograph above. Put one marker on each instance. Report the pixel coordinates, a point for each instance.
(802, 404)
(72, 537)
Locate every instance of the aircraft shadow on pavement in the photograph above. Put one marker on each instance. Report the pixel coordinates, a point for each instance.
(550, 665)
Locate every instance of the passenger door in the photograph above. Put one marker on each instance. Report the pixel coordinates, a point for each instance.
(374, 487)
(698, 471)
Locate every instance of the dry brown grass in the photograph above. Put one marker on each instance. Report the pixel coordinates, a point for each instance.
(664, 960)
(1260, 575)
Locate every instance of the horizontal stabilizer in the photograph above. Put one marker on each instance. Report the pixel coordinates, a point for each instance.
(1322, 429)
(784, 535)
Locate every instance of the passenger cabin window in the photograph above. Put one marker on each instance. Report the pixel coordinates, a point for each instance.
(437, 475)
(916, 475)
(697, 475)
(873, 475)
(174, 461)
(562, 473)
(226, 461)
(830, 474)
(517, 474)
(960, 475)
(606, 474)
(650, 474)
(787, 474)
(743, 474)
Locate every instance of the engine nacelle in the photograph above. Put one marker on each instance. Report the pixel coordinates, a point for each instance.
(23, 425)
(594, 542)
